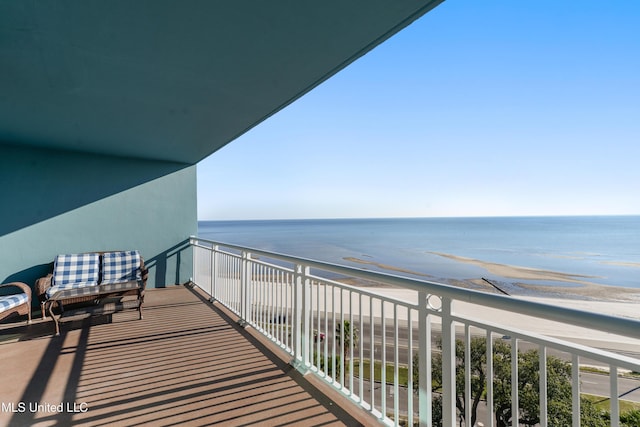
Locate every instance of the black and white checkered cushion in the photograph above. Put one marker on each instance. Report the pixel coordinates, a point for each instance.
(9, 301)
(76, 269)
(83, 291)
(73, 272)
(120, 267)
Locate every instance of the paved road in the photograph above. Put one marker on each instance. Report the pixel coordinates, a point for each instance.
(598, 384)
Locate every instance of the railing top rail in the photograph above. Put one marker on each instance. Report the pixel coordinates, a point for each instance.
(605, 323)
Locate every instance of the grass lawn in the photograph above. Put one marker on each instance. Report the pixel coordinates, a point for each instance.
(604, 403)
(403, 371)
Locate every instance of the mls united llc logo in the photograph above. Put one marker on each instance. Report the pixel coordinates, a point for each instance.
(62, 407)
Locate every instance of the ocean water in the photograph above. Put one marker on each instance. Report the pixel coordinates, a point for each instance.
(605, 248)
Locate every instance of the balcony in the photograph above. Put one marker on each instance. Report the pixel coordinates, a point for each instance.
(263, 338)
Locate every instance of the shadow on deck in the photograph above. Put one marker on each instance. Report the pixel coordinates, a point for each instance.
(186, 363)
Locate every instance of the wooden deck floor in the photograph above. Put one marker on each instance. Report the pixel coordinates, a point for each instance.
(186, 363)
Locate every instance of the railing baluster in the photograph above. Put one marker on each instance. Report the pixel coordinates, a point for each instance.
(514, 383)
(448, 365)
(279, 304)
(489, 380)
(232, 286)
(288, 330)
(334, 377)
(351, 343)
(270, 287)
(260, 302)
(424, 361)
(361, 349)
(467, 375)
(543, 385)
(383, 367)
(229, 286)
(235, 285)
(410, 367)
(396, 367)
(316, 333)
(226, 285)
(372, 352)
(273, 295)
(326, 331)
(343, 340)
(261, 299)
(265, 300)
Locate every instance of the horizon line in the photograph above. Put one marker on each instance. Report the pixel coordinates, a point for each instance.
(422, 217)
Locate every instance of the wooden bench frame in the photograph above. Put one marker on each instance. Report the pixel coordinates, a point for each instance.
(21, 309)
(47, 304)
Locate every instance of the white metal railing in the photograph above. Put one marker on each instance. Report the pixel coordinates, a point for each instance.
(361, 340)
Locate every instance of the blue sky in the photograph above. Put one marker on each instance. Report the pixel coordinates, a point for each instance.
(480, 108)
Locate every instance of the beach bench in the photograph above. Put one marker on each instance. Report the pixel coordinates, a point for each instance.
(17, 304)
(93, 277)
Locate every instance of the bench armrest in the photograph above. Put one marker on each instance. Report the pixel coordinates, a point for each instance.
(23, 287)
(42, 284)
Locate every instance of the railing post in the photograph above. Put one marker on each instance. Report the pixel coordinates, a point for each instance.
(194, 256)
(302, 313)
(245, 285)
(424, 361)
(575, 390)
(448, 365)
(306, 318)
(214, 272)
(613, 396)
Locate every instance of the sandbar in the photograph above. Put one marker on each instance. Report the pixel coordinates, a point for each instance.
(385, 266)
(522, 273)
(585, 290)
(622, 263)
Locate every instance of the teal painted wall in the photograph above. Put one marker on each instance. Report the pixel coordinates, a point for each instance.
(65, 202)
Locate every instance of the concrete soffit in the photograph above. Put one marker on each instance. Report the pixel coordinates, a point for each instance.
(173, 81)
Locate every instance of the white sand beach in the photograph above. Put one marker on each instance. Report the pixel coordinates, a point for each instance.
(581, 295)
(511, 322)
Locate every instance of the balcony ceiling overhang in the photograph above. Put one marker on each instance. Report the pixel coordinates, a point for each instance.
(172, 80)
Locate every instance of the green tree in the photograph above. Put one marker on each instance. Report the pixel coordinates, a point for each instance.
(327, 365)
(559, 403)
(478, 379)
(350, 337)
(591, 416)
(558, 388)
(630, 418)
